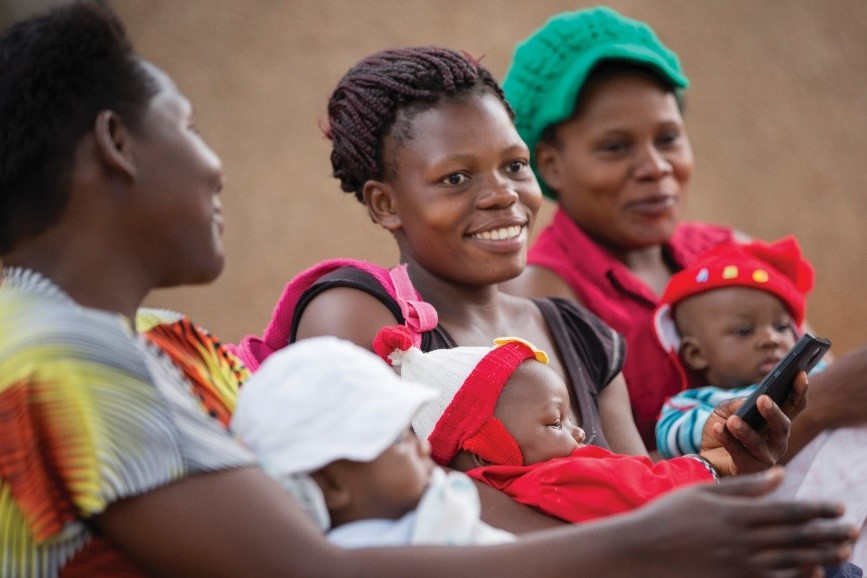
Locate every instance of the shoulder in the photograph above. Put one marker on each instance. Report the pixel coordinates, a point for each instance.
(43, 335)
(344, 309)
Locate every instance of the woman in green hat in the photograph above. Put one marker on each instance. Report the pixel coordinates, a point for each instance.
(597, 98)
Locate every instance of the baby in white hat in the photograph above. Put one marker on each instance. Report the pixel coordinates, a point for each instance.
(331, 423)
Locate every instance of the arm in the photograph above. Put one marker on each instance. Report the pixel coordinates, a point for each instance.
(838, 398)
(501, 511)
(617, 423)
(241, 523)
(681, 422)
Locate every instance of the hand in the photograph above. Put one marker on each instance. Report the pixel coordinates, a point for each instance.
(724, 530)
(733, 447)
(838, 398)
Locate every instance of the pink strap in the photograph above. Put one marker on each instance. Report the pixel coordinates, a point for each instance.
(419, 316)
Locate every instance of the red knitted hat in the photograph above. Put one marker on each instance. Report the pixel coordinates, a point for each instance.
(778, 268)
(469, 380)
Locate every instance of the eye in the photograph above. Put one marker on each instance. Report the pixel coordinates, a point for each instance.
(783, 327)
(517, 166)
(743, 331)
(556, 425)
(455, 179)
(613, 147)
(668, 139)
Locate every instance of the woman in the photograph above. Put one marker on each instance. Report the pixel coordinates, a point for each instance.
(598, 101)
(111, 463)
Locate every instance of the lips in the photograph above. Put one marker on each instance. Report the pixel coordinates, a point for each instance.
(655, 205)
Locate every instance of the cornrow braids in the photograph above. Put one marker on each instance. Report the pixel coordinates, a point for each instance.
(363, 109)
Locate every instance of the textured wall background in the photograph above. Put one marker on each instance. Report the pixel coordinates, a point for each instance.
(776, 115)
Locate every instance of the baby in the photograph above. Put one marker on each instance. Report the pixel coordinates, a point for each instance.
(502, 415)
(331, 423)
(728, 319)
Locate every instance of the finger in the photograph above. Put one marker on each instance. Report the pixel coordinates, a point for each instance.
(727, 407)
(795, 515)
(763, 448)
(749, 485)
(811, 572)
(803, 559)
(779, 426)
(796, 401)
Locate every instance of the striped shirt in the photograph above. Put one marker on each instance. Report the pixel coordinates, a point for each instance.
(682, 418)
(92, 412)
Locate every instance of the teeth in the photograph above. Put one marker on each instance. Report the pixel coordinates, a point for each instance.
(499, 234)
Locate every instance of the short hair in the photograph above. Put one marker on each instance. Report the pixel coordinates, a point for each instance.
(363, 109)
(60, 69)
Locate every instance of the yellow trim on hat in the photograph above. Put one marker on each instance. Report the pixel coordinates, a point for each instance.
(540, 355)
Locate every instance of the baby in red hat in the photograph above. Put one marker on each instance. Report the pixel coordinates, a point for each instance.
(503, 416)
(728, 319)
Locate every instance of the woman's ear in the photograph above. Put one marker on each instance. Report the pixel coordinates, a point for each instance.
(548, 164)
(336, 493)
(692, 354)
(113, 142)
(381, 204)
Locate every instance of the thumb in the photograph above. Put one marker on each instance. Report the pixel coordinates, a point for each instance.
(750, 484)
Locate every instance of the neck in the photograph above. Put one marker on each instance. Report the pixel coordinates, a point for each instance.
(647, 263)
(98, 281)
(460, 308)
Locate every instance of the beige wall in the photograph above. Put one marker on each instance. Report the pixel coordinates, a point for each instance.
(776, 115)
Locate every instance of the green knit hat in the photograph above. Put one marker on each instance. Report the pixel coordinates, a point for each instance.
(549, 67)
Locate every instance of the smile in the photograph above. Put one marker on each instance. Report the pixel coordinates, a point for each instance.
(503, 234)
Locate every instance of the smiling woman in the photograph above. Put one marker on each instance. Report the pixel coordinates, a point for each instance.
(438, 163)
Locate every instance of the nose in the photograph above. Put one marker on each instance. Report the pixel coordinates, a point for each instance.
(652, 164)
(578, 434)
(498, 193)
(769, 337)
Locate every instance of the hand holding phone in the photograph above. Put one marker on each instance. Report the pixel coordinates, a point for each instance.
(778, 383)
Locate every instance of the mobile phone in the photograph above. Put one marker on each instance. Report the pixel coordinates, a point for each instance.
(778, 383)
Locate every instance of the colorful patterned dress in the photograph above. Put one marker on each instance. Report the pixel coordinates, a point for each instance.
(92, 412)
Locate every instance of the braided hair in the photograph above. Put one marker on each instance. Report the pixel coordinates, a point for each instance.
(363, 109)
